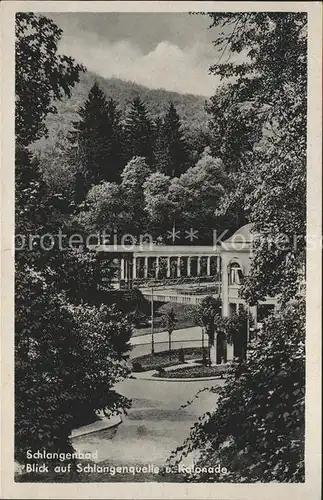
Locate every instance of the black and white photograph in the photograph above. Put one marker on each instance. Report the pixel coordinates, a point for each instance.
(161, 247)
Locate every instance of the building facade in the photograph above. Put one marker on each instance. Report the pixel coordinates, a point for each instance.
(187, 274)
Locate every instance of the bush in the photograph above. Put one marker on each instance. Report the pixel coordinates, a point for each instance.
(166, 358)
(67, 360)
(260, 409)
(161, 371)
(181, 356)
(205, 360)
(195, 372)
(137, 367)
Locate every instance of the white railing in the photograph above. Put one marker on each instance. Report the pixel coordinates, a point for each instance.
(179, 299)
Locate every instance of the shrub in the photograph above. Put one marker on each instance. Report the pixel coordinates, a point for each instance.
(137, 367)
(256, 430)
(161, 371)
(66, 364)
(181, 356)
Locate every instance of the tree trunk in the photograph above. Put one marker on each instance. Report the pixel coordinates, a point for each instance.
(213, 356)
(169, 341)
(212, 347)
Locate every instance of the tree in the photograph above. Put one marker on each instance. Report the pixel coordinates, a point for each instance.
(138, 132)
(116, 154)
(207, 312)
(238, 327)
(66, 364)
(97, 137)
(58, 166)
(134, 304)
(279, 246)
(197, 139)
(117, 208)
(42, 75)
(68, 352)
(267, 98)
(157, 203)
(269, 42)
(104, 209)
(133, 177)
(197, 193)
(169, 321)
(257, 429)
(171, 154)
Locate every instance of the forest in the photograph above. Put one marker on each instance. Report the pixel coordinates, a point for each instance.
(108, 160)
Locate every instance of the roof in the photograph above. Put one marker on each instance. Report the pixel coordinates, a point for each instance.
(243, 234)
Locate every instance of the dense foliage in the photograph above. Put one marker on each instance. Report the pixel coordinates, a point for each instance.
(259, 129)
(42, 75)
(66, 363)
(70, 349)
(257, 430)
(97, 137)
(171, 150)
(151, 202)
(90, 161)
(189, 107)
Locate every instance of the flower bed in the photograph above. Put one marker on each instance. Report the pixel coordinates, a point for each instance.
(165, 359)
(199, 371)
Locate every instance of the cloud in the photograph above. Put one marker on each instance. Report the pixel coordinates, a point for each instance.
(166, 66)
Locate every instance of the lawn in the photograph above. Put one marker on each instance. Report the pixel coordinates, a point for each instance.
(165, 358)
(194, 372)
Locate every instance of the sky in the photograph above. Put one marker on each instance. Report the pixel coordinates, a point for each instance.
(172, 51)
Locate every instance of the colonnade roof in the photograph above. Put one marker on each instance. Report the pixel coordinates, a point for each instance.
(161, 250)
(239, 241)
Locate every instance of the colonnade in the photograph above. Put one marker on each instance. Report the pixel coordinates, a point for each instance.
(129, 268)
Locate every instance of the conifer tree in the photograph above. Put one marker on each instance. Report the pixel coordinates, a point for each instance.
(139, 133)
(171, 152)
(98, 140)
(116, 157)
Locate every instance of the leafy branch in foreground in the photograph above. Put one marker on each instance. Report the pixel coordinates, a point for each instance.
(257, 428)
(69, 353)
(67, 359)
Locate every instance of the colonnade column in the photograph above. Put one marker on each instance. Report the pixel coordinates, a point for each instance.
(225, 287)
(122, 268)
(198, 266)
(188, 266)
(157, 267)
(168, 267)
(178, 267)
(208, 266)
(134, 268)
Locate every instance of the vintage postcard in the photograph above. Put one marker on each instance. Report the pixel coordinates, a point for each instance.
(161, 243)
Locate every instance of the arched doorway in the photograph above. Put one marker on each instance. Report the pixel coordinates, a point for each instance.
(235, 273)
